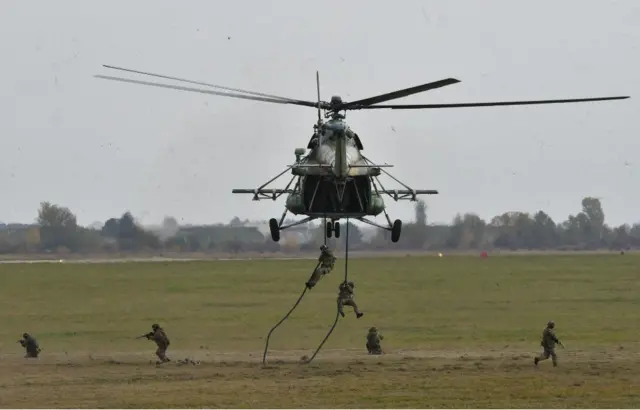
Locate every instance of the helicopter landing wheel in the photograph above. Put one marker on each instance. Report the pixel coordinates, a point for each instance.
(275, 230)
(336, 229)
(396, 229)
(329, 230)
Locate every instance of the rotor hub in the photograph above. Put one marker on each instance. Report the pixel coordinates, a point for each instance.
(336, 100)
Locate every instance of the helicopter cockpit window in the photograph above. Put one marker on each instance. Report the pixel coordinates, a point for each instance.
(350, 137)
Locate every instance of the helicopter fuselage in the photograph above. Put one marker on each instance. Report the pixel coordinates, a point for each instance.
(334, 150)
(334, 179)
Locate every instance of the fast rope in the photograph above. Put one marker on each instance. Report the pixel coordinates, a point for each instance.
(335, 322)
(266, 346)
(346, 275)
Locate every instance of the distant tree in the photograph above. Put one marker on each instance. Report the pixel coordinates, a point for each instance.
(421, 213)
(58, 227)
(55, 216)
(544, 231)
(621, 237)
(594, 222)
(132, 237)
(236, 222)
(111, 228)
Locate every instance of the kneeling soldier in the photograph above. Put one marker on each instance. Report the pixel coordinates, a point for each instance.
(30, 344)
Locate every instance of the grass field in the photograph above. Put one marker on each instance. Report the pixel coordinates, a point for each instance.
(459, 332)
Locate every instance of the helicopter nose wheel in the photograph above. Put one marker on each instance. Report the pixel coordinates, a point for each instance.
(333, 228)
(396, 229)
(275, 230)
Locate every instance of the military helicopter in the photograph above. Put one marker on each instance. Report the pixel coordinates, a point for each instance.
(333, 180)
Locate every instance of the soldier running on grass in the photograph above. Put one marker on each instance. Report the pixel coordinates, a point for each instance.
(548, 343)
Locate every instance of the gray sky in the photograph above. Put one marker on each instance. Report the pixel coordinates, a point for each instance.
(102, 148)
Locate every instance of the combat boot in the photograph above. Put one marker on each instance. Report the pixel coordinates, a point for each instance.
(359, 315)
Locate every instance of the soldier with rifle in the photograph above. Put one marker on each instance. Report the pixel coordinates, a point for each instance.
(30, 344)
(548, 343)
(159, 336)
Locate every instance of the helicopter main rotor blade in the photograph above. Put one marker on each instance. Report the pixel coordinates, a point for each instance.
(396, 94)
(485, 104)
(199, 90)
(240, 90)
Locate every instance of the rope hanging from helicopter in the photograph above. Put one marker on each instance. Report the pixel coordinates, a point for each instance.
(295, 305)
(346, 276)
(266, 346)
(335, 322)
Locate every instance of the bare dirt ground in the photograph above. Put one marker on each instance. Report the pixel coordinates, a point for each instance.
(336, 379)
(329, 355)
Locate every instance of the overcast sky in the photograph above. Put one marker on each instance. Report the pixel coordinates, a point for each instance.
(102, 148)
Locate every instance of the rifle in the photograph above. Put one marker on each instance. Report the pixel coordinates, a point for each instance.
(147, 335)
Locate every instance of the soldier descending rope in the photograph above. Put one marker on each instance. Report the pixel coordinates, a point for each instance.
(346, 297)
(325, 265)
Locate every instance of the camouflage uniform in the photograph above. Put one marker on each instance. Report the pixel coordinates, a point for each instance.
(162, 341)
(373, 341)
(30, 344)
(548, 343)
(327, 261)
(346, 298)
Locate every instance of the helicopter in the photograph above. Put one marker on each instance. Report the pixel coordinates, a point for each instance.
(332, 179)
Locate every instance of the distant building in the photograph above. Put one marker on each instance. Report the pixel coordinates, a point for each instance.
(213, 234)
(300, 233)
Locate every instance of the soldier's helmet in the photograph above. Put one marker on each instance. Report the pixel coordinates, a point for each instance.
(350, 283)
(324, 248)
(155, 326)
(373, 329)
(551, 324)
(25, 335)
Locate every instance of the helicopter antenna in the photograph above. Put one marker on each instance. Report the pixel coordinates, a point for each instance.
(319, 102)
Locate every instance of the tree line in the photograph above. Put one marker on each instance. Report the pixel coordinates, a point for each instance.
(56, 230)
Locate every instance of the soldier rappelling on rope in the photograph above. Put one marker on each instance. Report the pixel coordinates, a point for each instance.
(325, 265)
(346, 297)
